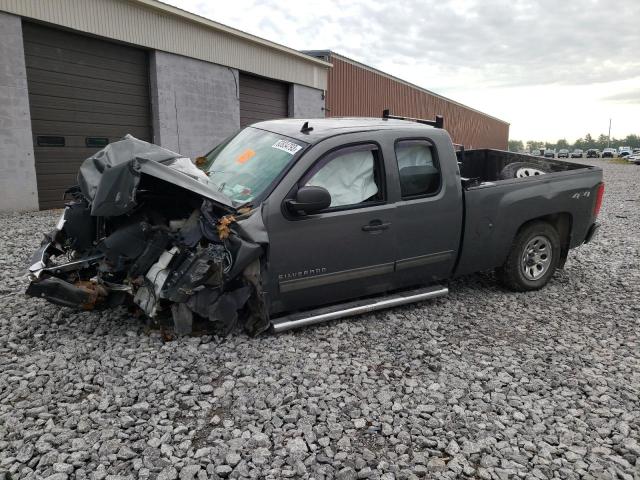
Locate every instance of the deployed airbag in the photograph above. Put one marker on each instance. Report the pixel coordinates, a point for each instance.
(349, 178)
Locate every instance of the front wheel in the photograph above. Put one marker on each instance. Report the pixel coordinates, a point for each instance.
(533, 258)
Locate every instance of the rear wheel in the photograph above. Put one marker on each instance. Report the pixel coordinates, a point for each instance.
(533, 258)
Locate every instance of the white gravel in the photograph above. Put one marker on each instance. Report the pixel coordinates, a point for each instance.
(481, 384)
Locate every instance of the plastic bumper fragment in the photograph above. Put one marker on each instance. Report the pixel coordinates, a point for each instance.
(83, 295)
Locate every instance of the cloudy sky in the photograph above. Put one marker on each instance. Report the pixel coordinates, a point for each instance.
(551, 68)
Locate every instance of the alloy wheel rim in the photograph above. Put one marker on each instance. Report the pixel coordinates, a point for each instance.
(536, 257)
(528, 172)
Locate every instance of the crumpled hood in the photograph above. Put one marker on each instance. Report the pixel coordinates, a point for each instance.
(109, 179)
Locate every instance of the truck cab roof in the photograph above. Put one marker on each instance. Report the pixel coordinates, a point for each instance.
(322, 128)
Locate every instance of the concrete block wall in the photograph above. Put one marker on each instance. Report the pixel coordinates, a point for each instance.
(195, 104)
(305, 102)
(18, 187)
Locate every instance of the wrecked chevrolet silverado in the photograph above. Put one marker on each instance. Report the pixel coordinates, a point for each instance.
(290, 223)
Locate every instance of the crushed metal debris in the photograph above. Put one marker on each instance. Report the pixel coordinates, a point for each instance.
(142, 228)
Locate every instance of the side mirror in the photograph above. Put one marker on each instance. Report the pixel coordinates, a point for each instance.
(309, 199)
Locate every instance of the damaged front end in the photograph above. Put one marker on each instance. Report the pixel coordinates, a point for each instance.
(143, 228)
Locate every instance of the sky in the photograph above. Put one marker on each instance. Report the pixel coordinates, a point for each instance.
(551, 68)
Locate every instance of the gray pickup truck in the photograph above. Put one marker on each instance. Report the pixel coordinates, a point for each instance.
(292, 222)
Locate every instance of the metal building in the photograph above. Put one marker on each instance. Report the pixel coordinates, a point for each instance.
(78, 74)
(355, 89)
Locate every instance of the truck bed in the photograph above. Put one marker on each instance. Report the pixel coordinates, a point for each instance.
(486, 164)
(495, 208)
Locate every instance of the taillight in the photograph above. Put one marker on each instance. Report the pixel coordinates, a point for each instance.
(598, 204)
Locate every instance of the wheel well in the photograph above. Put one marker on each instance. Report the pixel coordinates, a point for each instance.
(563, 223)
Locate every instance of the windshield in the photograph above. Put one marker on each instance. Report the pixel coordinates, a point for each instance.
(245, 165)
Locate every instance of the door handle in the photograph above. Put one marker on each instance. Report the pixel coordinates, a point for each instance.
(375, 226)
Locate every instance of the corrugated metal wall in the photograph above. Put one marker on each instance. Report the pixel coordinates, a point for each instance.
(356, 91)
(157, 26)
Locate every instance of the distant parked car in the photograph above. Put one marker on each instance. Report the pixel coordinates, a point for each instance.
(609, 153)
(577, 153)
(634, 158)
(624, 151)
(593, 153)
(636, 150)
(563, 153)
(550, 153)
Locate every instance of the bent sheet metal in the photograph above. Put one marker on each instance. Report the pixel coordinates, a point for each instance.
(142, 227)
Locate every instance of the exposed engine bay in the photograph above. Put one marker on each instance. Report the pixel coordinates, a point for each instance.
(144, 228)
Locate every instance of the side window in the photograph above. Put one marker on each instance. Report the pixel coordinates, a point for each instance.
(352, 175)
(418, 168)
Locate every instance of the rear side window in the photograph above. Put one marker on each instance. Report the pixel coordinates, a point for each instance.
(418, 168)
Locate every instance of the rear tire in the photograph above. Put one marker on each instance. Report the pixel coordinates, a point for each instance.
(533, 258)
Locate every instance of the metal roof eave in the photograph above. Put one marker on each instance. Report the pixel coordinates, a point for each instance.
(192, 17)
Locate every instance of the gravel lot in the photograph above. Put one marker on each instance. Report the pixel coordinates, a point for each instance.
(480, 384)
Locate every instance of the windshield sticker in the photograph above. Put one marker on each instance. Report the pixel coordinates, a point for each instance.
(286, 146)
(245, 156)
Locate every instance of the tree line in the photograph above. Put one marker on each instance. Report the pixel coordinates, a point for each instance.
(585, 143)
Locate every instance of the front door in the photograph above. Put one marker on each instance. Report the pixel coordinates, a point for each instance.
(344, 252)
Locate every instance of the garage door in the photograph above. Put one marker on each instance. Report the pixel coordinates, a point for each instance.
(262, 99)
(83, 94)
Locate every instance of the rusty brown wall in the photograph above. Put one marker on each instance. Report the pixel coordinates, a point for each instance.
(356, 91)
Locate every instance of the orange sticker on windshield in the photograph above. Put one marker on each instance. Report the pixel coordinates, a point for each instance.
(245, 156)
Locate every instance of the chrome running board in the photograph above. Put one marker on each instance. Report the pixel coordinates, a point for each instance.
(310, 317)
